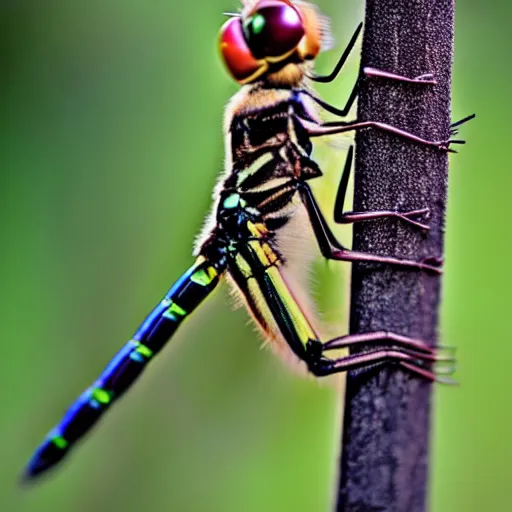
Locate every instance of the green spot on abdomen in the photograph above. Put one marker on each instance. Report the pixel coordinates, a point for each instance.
(174, 312)
(204, 277)
(101, 396)
(59, 442)
(145, 351)
(141, 353)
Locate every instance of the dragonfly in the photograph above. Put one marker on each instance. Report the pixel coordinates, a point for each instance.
(261, 203)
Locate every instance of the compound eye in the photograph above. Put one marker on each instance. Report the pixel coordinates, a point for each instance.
(273, 30)
(236, 54)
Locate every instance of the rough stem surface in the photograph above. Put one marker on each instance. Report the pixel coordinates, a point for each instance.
(384, 462)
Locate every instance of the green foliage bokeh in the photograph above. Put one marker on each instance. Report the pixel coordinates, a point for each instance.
(110, 144)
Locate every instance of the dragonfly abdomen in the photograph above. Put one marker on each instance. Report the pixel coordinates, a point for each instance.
(124, 369)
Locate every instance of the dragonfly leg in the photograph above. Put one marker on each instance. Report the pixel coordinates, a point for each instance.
(126, 366)
(415, 361)
(342, 217)
(332, 249)
(341, 112)
(383, 347)
(454, 127)
(425, 79)
(379, 337)
(315, 129)
(341, 62)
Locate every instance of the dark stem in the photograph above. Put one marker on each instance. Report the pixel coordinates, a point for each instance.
(384, 461)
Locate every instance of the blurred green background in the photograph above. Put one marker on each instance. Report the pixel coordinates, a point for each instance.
(110, 143)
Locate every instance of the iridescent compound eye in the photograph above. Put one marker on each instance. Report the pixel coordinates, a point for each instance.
(236, 54)
(273, 30)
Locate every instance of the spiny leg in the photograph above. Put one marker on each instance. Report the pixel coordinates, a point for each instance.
(332, 249)
(368, 71)
(425, 79)
(409, 217)
(410, 359)
(126, 366)
(353, 340)
(342, 217)
(435, 353)
(315, 129)
(341, 62)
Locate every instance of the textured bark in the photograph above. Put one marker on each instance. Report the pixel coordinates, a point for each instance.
(384, 462)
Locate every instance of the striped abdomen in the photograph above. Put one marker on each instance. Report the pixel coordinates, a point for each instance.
(127, 365)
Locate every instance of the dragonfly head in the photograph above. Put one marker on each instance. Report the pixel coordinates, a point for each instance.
(268, 35)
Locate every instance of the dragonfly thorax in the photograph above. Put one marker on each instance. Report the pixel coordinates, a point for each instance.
(233, 215)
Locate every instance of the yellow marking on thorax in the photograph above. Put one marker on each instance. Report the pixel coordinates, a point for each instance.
(254, 167)
(258, 230)
(262, 249)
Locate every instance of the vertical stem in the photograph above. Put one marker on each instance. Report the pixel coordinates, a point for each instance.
(384, 463)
